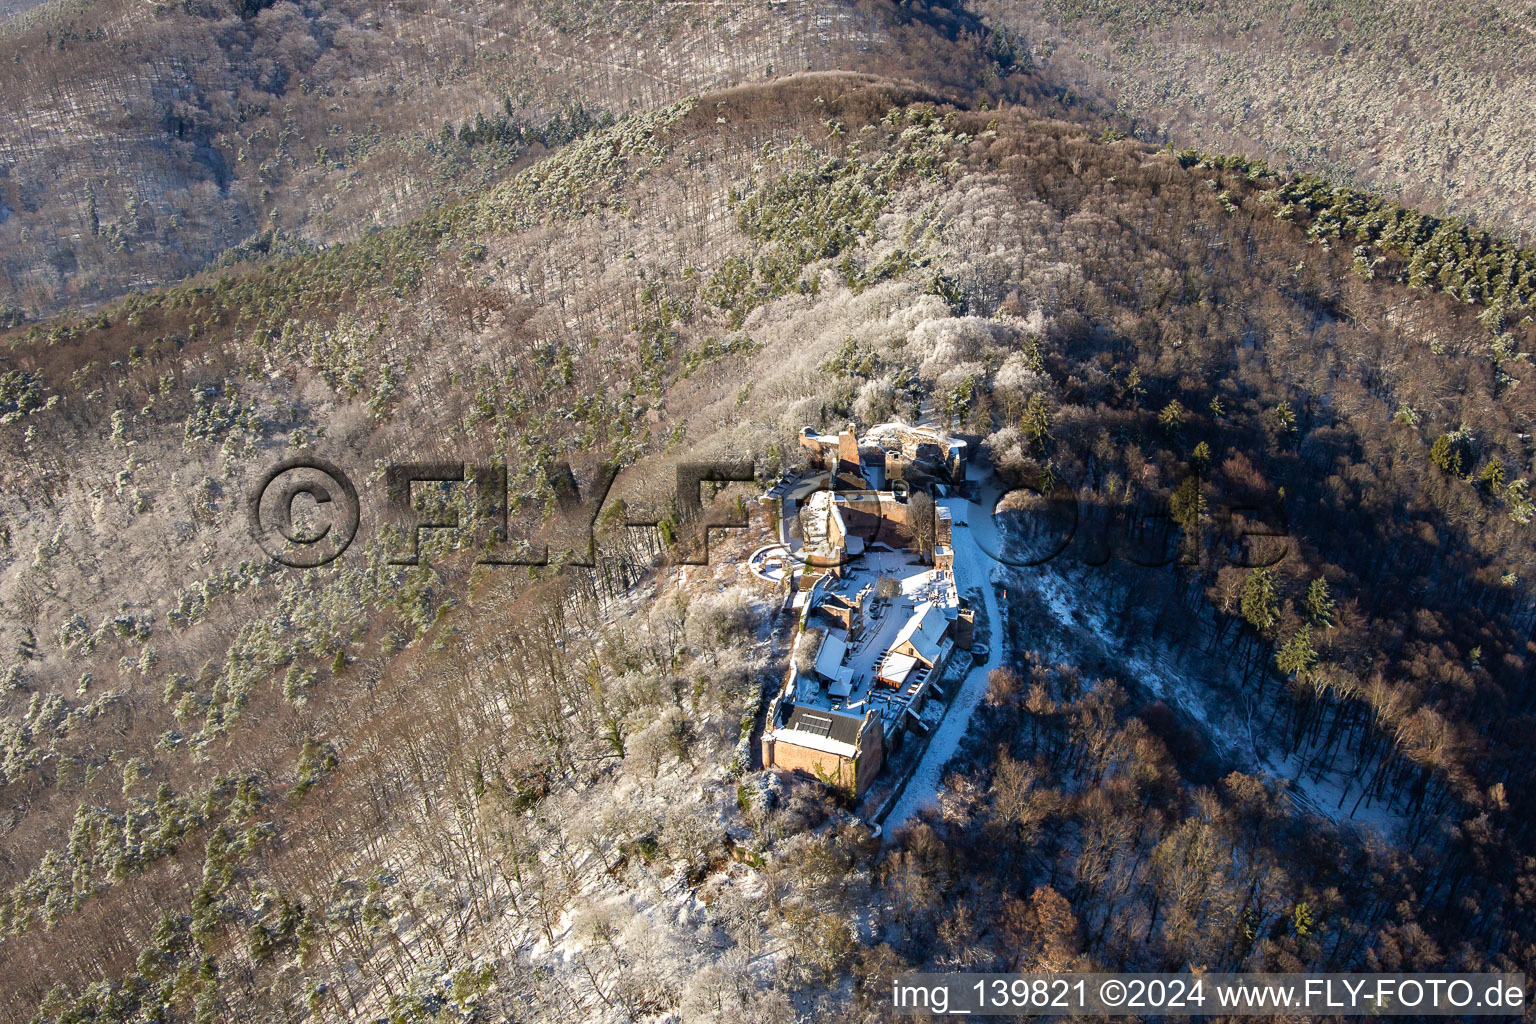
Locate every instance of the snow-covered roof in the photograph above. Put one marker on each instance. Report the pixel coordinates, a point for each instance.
(801, 738)
(924, 631)
(897, 667)
(829, 659)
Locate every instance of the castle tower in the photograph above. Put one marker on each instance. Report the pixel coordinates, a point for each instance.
(847, 451)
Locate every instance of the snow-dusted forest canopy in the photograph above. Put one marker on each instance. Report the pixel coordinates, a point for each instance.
(458, 791)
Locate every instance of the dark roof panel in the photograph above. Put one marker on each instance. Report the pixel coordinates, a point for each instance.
(819, 722)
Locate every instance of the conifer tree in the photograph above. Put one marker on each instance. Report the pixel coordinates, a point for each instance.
(1319, 603)
(1259, 606)
(1296, 657)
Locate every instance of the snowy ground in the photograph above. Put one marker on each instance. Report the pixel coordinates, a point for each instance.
(973, 568)
(1079, 624)
(1224, 715)
(884, 619)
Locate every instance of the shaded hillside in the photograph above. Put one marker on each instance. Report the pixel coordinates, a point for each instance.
(410, 791)
(10, 8)
(1429, 102)
(139, 141)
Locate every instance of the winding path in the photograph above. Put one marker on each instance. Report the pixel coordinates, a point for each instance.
(974, 569)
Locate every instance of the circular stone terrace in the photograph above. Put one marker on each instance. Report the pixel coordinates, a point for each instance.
(772, 562)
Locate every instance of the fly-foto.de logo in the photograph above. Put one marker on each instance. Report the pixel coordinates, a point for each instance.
(310, 533)
(305, 512)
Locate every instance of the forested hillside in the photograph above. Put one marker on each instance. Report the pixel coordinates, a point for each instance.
(1427, 102)
(442, 791)
(141, 141)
